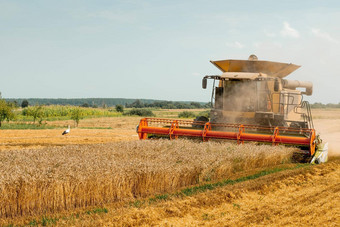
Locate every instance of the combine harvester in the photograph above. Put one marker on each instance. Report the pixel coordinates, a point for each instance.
(251, 102)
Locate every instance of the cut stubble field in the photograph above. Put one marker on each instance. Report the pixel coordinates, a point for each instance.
(90, 131)
(101, 165)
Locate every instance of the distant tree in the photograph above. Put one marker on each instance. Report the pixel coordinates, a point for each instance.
(15, 103)
(205, 113)
(186, 114)
(104, 106)
(169, 106)
(77, 115)
(120, 108)
(6, 111)
(140, 112)
(182, 105)
(24, 103)
(137, 104)
(85, 105)
(36, 112)
(207, 105)
(196, 105)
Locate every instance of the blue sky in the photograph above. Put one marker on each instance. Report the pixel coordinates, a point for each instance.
(160, 49)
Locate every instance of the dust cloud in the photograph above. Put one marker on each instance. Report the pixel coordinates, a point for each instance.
(241, 97)
(329, 130)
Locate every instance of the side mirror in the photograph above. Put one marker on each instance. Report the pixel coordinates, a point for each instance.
(276, 85)
(204, 83)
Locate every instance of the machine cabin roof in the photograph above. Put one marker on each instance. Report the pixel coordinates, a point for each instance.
(274, 69)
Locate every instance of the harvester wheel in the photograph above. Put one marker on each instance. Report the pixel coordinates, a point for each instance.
(301, 157)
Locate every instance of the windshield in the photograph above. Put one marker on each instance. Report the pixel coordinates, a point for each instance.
(242, 95)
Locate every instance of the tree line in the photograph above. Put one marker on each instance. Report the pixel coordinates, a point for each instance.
(128, 103)
(168, 105)
(321, 105)
(102, 102)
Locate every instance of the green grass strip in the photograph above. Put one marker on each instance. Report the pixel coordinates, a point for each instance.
(205, 187)
(50, 221)
(211, 186)
(27, 126)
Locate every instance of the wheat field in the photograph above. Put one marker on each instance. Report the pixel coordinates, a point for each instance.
(46, 174)
(53, 179)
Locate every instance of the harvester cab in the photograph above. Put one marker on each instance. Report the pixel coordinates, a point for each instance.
(254, 92)
(250, 102)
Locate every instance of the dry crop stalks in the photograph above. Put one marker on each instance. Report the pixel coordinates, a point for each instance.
(286, 198)
(36, 181)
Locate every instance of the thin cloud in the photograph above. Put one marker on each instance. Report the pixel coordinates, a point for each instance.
(288, 31)
(269, 34)
(324, 35)
(235, 44)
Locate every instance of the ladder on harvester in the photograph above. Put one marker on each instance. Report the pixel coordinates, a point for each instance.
(307, 117)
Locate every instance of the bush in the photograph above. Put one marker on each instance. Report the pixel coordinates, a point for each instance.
(186, 114)
(24, 103)
(36, 112)
(120, 108)
(77, 114)
(85, 105)
(204, 113)
(140, 112)
(6, 111)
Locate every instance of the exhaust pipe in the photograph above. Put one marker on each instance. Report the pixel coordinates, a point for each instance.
(293, 84)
